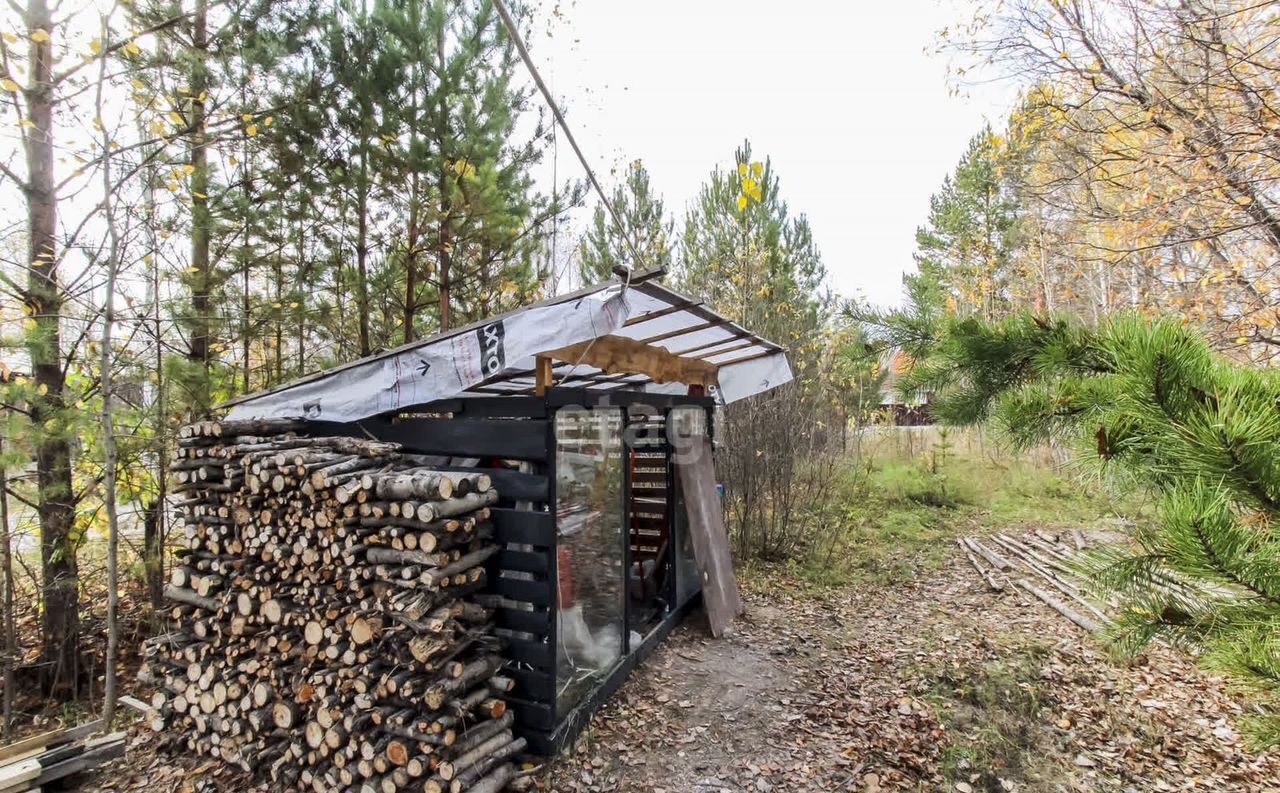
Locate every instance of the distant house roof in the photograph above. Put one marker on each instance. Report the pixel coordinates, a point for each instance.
(635, 336)
(896, 363)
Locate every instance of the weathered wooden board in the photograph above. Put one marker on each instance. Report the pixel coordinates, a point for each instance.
(47, 739)
(19, 775)
(96, 752)
(135, 703)
(710, 541)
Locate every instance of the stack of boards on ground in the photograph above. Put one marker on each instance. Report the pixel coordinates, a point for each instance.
(51, 757)
(1043, 565)
(324, 635)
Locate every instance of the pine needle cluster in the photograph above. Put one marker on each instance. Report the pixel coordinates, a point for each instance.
(1151, 403)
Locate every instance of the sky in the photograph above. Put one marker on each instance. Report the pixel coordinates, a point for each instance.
(857, 118)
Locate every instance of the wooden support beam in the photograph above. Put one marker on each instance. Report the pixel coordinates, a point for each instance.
(753, 357)
(543, 374)
(733, 348)
(671, 334)
(715, 343)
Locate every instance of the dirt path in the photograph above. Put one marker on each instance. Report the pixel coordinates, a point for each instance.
(938, 685)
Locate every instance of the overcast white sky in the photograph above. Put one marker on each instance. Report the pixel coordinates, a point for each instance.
(857, 118)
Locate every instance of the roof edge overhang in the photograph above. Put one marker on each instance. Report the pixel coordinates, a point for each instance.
(625, 334)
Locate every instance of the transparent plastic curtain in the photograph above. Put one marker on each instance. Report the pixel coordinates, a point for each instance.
(590, 516)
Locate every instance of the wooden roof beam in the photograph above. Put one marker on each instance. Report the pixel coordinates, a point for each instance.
(746, 358)
(684, 305)
(671, 334)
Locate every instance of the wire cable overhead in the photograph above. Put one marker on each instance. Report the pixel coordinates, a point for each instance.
(510, 25)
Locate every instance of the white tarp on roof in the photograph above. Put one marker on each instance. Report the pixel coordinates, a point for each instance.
(499, 354)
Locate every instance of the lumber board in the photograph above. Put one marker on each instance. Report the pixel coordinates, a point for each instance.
(51, 738)
(108, 748)
(30, 753)
(534, 653)
(57, 755)
(134, 703)
(520, 439)
(15, 776)
(538, 593)
(536, 622)
(524, 561)
(525, 527)
(710, 540)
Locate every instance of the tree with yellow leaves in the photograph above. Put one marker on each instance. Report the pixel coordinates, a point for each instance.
(1150, 132)
(646, 227)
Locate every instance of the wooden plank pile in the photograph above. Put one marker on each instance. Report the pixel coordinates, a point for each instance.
(1041, 564)
(324, 637)
(44, 759)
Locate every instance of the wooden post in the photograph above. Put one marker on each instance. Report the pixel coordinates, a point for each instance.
(697, 389)
(542, 371)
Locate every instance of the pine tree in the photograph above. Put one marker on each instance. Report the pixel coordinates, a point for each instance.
(1149, 403)
(475, 218)
(747, 255)
(220, 80)
(969, 240)
(368, 73)
(646, 227)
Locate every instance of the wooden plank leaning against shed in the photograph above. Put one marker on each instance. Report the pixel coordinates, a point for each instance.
(710, 542)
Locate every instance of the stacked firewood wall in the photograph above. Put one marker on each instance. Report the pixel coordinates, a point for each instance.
(326, 634)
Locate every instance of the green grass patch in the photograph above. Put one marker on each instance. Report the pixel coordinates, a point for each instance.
(898, 506)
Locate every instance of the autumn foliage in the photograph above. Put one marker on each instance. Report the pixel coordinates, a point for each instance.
(1138, 171)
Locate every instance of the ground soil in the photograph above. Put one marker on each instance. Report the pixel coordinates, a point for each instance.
(935, 684)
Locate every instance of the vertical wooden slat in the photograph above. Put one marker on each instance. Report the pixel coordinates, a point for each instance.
(543, 374)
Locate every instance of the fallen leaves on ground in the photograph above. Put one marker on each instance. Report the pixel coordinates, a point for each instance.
(839, 690)
(834, 691)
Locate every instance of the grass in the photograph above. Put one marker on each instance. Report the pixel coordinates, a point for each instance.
(902, 498)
